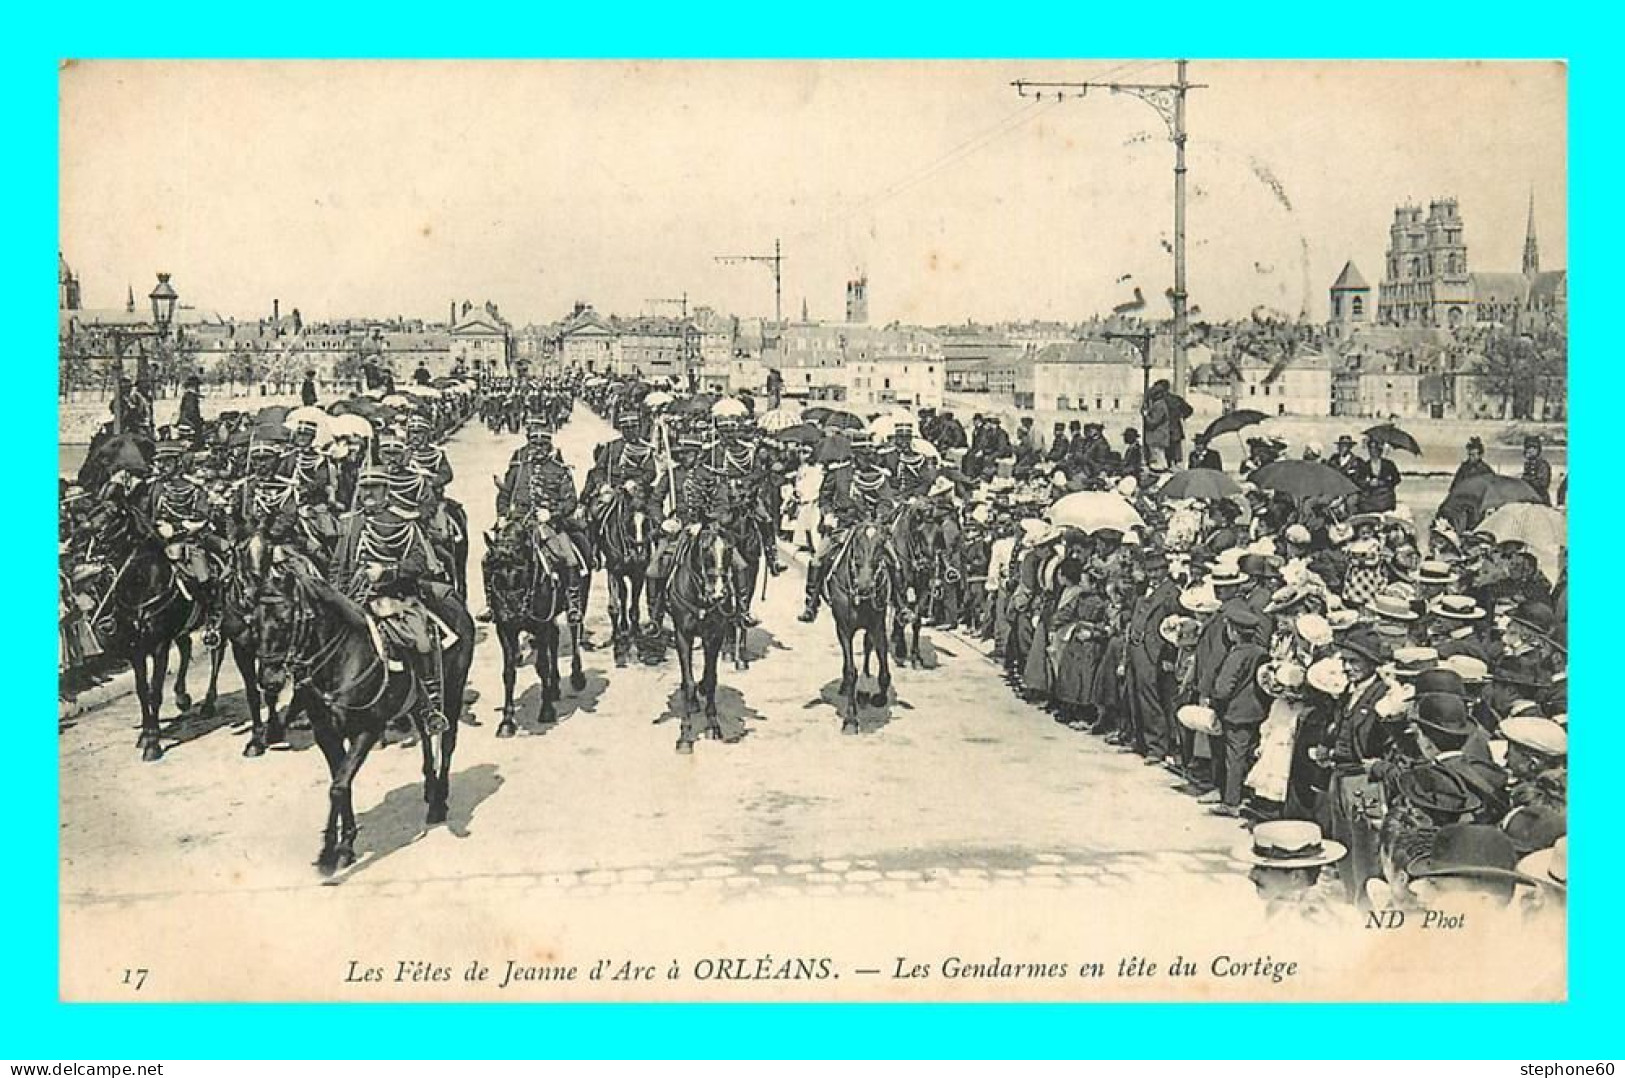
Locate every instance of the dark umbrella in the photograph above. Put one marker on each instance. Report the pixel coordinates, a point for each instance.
(1233, 421)
(1481, 495)
(1200, 483)
(842, 420)
(700, 402)
(816, 413)
(272, 413)
(131, 453)
(801, 433)
(1388, 434)
(1303, 479)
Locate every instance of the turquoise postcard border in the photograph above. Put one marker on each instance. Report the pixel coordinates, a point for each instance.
(35, 1025)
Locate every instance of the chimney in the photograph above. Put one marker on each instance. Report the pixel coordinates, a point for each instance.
(276, 310)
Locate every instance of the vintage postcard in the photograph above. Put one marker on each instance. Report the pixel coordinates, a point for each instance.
(665, 531)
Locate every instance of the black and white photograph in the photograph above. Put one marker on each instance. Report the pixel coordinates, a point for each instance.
(1063, 530)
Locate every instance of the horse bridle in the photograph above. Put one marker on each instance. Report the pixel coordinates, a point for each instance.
(304, 668)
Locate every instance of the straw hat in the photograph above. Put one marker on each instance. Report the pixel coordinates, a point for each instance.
(1289, 844)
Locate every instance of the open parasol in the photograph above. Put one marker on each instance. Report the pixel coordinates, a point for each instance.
(1303, 479)
(780, 419)
(1388, 434)
(315, 417)
(657, 398)
(272, 413)
(1541, 528)
(1094, 510)
(1205, 483)
(926, 449)
(351, 425)
(729, 408)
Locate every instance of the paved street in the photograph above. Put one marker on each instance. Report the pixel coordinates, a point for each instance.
(956, 786)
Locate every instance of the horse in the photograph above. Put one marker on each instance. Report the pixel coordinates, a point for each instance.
(859, 585)
(700, 597)
(455, 551)
(913, 541)
(526, 599)
(321, 644)
(620, 531)
(245, 570)
(145, 608)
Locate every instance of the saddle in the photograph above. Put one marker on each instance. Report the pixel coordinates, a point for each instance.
(406, 625)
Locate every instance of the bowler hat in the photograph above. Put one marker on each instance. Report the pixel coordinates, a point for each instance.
(1535, 615)
(1443, 713)
(1470, 850)
(1362, 640)
(1434, 789)
(1519, 670)
(1441, 679)
(1244, 617)
(1256, 564)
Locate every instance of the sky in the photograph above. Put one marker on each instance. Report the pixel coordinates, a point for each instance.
(383, 188)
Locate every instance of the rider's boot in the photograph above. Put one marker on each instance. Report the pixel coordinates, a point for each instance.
(434, 714)
(814, 586)
(770, 552)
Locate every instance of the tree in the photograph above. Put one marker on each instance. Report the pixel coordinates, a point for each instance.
(1521, 368)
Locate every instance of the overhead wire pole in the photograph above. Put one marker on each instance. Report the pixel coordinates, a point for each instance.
(776, 261)
(1169, 101)
(681, 301)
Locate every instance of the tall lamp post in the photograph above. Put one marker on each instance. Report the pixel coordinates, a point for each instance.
(163, 299)
(1142, 341)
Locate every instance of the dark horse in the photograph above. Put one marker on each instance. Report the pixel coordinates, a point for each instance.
(700, 596)
(244, 572)
(319, 642)
(746, 536)
(144, 609)
(860, 589)
(913, 540)
(620, 532)
(525, 598)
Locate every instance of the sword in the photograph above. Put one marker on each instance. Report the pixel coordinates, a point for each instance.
(111, 588)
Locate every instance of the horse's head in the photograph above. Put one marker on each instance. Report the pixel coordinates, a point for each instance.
(865, 561)
(715, 554)
(284, 611)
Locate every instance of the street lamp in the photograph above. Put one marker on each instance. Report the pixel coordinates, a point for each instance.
(163, 299)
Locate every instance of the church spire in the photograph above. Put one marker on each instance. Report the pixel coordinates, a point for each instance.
(129, 304)
(1531, 248)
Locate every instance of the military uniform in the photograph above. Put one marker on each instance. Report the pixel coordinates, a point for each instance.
(539, 483)
(619, 462)
(704, 497)
(851, 495)
(384, 561)
(753, 490)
